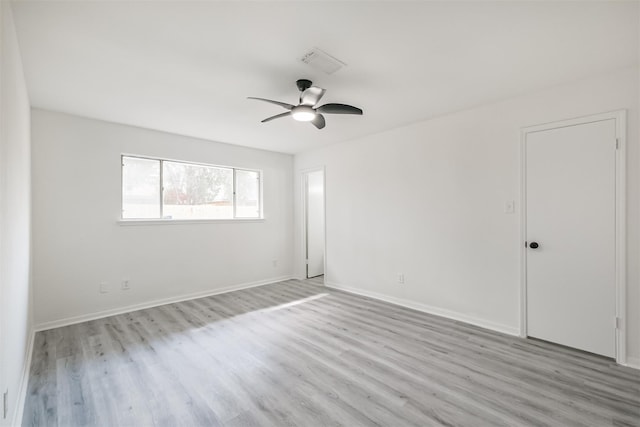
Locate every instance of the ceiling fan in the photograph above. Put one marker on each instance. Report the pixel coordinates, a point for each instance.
(306, 110)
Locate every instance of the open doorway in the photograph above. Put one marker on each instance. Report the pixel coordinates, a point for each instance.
(314, 221)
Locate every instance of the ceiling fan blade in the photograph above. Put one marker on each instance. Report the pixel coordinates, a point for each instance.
(282, 104)
(338, 109)
(318, 121)
(311, 96)
(277, 116)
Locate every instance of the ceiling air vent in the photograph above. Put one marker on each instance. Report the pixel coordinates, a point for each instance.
(322, 61)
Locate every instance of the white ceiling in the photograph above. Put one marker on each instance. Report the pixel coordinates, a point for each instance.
(187, 67)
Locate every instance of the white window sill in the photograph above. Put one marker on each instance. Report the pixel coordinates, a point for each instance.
(128, 222)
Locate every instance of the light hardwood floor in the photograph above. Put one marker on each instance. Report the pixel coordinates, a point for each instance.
(294, 353)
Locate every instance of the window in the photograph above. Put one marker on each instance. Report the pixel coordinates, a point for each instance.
(140, 188)
(163, 189)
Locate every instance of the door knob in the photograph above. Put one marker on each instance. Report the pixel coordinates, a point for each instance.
(534, 245)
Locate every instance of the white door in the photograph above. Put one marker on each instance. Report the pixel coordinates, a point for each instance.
(571, 236)
(315, 223)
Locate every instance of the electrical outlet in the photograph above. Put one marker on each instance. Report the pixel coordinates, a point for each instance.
(104, 287)
(274, 262)
(401, 278)
(126, 285)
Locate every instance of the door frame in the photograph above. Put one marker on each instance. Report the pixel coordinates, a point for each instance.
(620, 321)
(304, 193)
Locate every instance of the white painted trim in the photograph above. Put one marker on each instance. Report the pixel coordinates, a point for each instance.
(620, 117)
(425, 308)
(24, 382)
(621, 235)
(633, 362)
(523, 237)
(188, 162)
(127, 309)
(303, 197)
(576, 121)
(130, 222)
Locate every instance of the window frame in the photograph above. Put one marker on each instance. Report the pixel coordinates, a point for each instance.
(162, 220)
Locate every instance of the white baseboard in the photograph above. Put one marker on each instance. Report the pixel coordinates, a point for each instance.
(24, 382)
(483, 323)
(129, 308)
(633, 362)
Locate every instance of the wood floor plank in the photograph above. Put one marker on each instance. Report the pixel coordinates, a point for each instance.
(296, 353)
(40, 405)
(462, 394)
(448, 365)
(75, 400)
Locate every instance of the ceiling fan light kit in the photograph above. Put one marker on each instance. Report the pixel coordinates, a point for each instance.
(306, 110)
(303, 113)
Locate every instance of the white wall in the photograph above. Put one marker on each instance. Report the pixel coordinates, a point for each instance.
(427, 200)
(15, 229)
(78, 243)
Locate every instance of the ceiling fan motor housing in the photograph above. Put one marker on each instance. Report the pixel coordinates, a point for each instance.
(303, 84)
